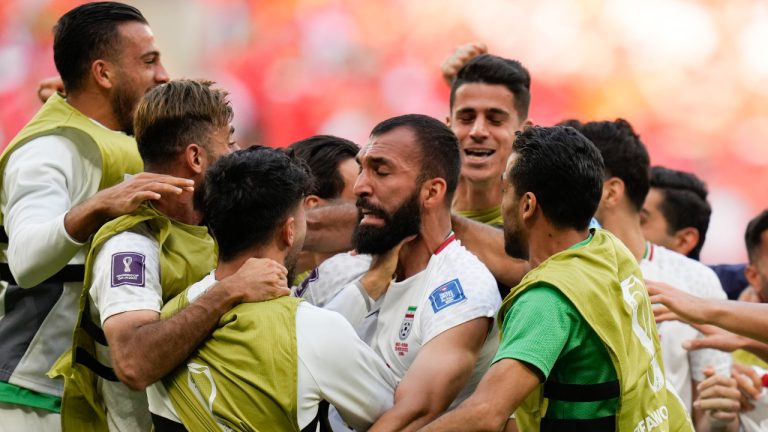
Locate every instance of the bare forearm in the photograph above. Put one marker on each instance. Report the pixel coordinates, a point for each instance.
(468, 417)
(329, 228)
(487, 243)
(84, 219)
(156, 348)
(746, 319)
(403, 417)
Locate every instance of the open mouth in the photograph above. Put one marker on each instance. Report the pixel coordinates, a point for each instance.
(478, 153)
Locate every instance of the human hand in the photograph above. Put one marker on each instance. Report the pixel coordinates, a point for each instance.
(378, 277)
(460, 56)
(678, 305)
(750, 295)
(125, 197)
(716, 338)
(719, 397)
(48, 86)
(749, 383)
(258, 279)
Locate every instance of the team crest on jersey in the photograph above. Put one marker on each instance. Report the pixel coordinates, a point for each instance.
(127, 269)
(405, 327)
(447, 294)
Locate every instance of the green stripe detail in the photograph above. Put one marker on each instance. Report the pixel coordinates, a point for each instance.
(13, 394)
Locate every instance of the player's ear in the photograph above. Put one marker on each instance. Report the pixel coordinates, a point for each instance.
(433, 192)
(195, 157)
(288, 231)
(613, 192)
(311, 201)
(528, 205)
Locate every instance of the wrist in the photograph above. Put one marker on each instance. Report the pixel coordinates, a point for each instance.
(224, 296)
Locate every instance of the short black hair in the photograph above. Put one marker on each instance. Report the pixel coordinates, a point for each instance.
(752, 237)
(624, 155)
(87, 33)
(491, 69)
(563, 169)
(248, 194)
(439, 148)
(323, 154)
(684, 202)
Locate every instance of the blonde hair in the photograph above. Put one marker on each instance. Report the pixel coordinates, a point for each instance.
(176, 114)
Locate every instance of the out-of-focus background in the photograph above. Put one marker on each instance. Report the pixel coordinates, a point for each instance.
(692, 77)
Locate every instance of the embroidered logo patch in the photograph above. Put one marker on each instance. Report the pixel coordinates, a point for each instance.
(127, 269)
(405, 327)
(446, 295)
(305, 283)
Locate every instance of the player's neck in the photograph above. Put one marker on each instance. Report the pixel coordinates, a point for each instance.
(96, 106)
(548, 240)
(180, 208)
(476, 195)
(625, 225)
(415, 255)
(231, 266)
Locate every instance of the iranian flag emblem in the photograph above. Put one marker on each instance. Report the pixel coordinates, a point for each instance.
(405, 327)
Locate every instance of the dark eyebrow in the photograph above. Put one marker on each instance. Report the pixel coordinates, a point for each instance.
(465, 110)
(151, 53)
(498, 111)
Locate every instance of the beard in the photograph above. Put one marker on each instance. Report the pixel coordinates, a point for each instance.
(515, 242)
(403, 222)
(124, 103)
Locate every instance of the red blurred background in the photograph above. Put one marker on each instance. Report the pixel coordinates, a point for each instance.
(692, 77)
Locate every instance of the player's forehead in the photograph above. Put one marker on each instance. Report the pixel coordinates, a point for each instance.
(483, 97)
(397, 147)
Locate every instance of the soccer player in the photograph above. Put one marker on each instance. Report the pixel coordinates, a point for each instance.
(676, 212)
(62, 178)
(141, 260)
(489, 103)
(576, 352)
(422, 301)
(626, 184)
(331, 160)
(269, 366)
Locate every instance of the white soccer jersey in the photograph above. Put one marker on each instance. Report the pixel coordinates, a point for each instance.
(126, 278)
(454, 288)
(663, 265)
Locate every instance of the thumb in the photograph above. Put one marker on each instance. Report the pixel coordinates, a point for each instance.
(694, 344)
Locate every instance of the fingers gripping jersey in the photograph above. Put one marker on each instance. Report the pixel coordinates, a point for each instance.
(454, 288)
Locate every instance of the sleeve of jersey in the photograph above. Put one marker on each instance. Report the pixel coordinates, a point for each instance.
(39, 182)
(126, 276)
(537, 328)
(356, 381)
(454, 301)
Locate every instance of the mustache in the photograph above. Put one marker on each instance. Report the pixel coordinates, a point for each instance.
(363, 203)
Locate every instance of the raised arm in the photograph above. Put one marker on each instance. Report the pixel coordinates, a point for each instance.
(436, 377)
(145, 348)
(329, 228)
(41, 182)
(746, 319)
